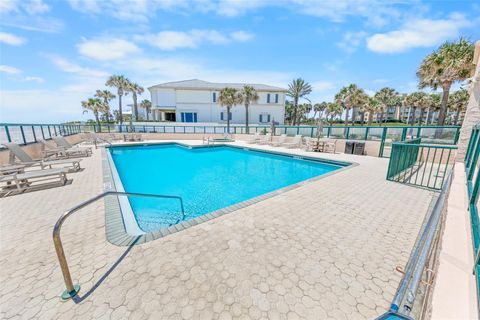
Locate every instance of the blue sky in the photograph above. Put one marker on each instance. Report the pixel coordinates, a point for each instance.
(53, 54)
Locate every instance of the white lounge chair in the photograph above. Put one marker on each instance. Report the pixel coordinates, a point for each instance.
(61, 152)
(19, 182)
(265, 139)
(281, 140)
(296, 142)
(17, 152)
(254, 138)
(62, 142)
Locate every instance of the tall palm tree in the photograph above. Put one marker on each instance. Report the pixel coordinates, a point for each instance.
(96, 106)
(297, 90)
(249, 96)
(306, 109)
(135, 89)
(458, 101)
(372, 105)
(319, 108)
(435, 104)
(450, 63)
(229, 97)
(415, 100)
(342, 98)
(121, 83)
(106, 96)
(387, 97)
(147, 105)
(347, 97)
(333, 109)
(424, 103)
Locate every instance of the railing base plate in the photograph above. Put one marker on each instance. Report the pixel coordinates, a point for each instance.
(68, 295)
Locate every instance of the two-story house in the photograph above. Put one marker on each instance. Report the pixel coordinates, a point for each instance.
(197, 101)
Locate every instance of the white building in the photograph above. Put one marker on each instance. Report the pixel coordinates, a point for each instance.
(197, 101)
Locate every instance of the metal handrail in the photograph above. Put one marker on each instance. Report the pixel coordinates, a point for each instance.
(72, 290)
(416, 264)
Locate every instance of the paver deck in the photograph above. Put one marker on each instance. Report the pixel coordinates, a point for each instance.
(327, 249)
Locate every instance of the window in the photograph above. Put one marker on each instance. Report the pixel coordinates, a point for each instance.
(189, 116)
(223, 116)
(268, 97)
(214, 97)
(276, 97)
(263, 118)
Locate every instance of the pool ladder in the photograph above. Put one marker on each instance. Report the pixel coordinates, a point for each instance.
(71, 289)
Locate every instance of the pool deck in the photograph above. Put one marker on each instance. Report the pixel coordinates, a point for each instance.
(326, 249)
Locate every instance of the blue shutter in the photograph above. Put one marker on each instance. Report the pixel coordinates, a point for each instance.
(260, 118)
(276, 98)
(195, 117)
(214, 97)
(268, 97)
(183, 116)
(221, 116)
(268, 117)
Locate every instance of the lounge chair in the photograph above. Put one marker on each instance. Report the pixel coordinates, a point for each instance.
(62, 142)
(266, 139)
(255, 138)
(281, 140)
(61, 152)
(17, 152)
(19, 182)
(296, 142)
(132, 137)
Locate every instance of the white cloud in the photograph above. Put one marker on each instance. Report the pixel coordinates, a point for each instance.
(8, 6)
(171, 40)
(11, 39)
(34, 79)
(241, 36)
(418, 33)
(69, 67)
(36, 7)
(105, 49)
(322, 85)
(351, 40)
(9, 69)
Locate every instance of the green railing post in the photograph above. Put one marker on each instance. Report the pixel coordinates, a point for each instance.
(347, 135)
(457, 136)
(49, 131)
(34, 135)
(43, 134)
(55, 129)
(7, 132)
(23, 135)
(473, 163)
(382, 143)
(367, 130)
(329, 130)
(404, 134)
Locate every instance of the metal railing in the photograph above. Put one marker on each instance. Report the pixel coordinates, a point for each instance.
(385, 135)
(421, 165)
(30, 133)
(472, 167)
(71, 289)
(418, 269)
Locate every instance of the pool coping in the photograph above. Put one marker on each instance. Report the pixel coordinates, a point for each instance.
(115, 228)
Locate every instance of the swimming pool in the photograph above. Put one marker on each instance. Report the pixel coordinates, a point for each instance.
(206, 178)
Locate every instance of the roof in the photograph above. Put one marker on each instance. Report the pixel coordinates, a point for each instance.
(201, 84)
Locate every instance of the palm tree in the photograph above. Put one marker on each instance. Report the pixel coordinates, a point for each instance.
(121, 83)
(96, 106)
(135, 89)
(297, 90)
(357, 98)
(319, 108)
(458, 102)
(306, 109)
(415, 100)
(387, 98)
(424, 103)
(229, 97)
(147, 105)
(450, 63)
(333, 109)
(106, 96)
(347, 97)
(372, 105)
(435, 104)
(249, 96)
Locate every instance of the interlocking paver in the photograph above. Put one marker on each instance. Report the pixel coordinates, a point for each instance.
(322, 250)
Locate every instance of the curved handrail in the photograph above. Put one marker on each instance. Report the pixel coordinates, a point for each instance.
(72, 290)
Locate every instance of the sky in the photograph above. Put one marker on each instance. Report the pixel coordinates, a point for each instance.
(54, 54)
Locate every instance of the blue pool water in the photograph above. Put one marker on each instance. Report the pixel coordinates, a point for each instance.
(207, 179)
